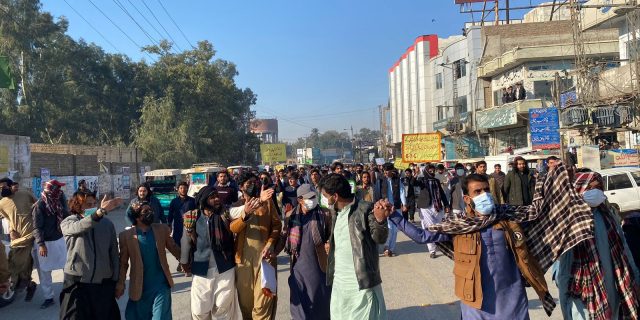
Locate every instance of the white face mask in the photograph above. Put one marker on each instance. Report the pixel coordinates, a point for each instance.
(484, 203)
(325, 203)
(594, 197)
(310, 204)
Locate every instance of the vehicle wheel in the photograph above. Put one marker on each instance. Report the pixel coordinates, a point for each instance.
(7, 298)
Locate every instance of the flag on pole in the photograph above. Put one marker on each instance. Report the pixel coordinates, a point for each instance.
(6, 79)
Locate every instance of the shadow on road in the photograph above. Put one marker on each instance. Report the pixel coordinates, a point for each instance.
(428, 312)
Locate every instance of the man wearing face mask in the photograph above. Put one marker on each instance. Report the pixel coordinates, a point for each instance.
(493, 253)
(144, 247)
(257, 235)
(207, 251)
(432, 202)
(455, 190)
(353, 265)
(616, 274)
(16, 208)
(306, 231)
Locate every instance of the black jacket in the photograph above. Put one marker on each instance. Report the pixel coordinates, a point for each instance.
(366, 234)
(46, 225)
(424, 198)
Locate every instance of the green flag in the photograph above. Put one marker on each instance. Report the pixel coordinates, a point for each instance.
(6, 79)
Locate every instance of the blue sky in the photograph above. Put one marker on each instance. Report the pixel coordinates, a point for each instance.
(312, 64)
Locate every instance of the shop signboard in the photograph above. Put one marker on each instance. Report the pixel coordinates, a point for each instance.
(496, 118)
(545, 128)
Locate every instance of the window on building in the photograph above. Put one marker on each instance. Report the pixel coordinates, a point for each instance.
(497, 97)
(440, 112)
(462, 104)
(460, 67)
(542, 89)
(514, 138)
(439, 80)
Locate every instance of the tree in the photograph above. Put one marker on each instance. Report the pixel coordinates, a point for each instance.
(208, 109)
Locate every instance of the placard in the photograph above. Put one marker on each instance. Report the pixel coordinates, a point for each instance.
(273, 153)
(421, 147)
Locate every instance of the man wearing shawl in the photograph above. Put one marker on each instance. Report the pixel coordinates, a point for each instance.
(305, 233)
(206, 230)
(48, 213)
(493, 252)
(597, 278)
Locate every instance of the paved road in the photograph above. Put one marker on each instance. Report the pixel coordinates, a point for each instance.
(415, 288)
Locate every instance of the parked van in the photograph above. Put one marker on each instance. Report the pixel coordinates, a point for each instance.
(198, 177)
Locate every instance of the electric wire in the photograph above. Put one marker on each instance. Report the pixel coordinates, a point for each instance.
(91, 25)
(145, 19)
(121, 6)
(175, 24)
(122, 31)
(161, 25)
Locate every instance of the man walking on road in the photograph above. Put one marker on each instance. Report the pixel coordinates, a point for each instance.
(177, 208)
(353, 268)
(392, 189)
(306, 231)
(493, 252)
(496, 181)
(144, 247)
(432, 203)
(16, 208)
(48, 213)
(206, 231)
(518, 185)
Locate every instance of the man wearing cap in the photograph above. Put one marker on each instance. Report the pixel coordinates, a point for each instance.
(306, 231)
(16, 208)
(48, 212)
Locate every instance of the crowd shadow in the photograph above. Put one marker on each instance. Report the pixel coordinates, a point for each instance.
(443, 311)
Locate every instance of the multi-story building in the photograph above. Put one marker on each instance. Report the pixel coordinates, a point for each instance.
(530, 55)
(411, 89)
(265, 129)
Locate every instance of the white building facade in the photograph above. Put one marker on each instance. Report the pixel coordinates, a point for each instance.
(421, 83)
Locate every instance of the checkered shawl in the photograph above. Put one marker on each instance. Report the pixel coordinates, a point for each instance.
(583, 179)
(587, 281)
(560, 220)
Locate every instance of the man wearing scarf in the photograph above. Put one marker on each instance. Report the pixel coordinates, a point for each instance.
(306, 231)
(48, 213)
(207, 252)
(597, 278)
(432, 202)
(493, 253)
(257, 233)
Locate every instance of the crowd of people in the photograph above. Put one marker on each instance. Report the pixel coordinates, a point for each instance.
(503, 230)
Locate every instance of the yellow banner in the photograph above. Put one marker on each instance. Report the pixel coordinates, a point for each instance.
(4, 159)
(421, 147)
(400, 165)
(272, 153)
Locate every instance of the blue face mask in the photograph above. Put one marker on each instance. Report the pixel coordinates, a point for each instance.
(90, 211)
(484, 203)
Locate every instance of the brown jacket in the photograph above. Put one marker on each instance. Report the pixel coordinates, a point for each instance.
(130, 251)
(269, 223)
(466, 268)
(17, 209)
